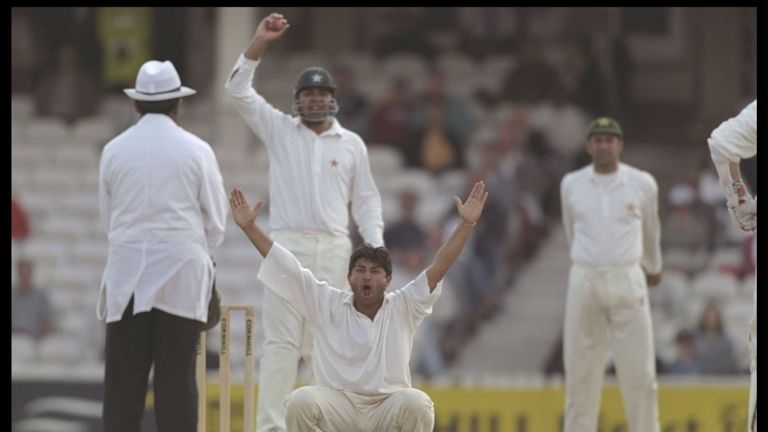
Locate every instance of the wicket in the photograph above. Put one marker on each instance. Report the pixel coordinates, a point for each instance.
(224, 395)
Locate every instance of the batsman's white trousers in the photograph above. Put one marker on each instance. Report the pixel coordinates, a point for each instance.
(287, 337)
(609, 306)
(328, 410)
(752, 423)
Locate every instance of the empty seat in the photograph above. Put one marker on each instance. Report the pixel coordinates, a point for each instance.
(58, 348)
(718, 285)
(433, 207)
(390, 207)
(496, 68)
(415, 180)
(409, 65)
(22, 106)
(747, 286)
(361, 63)
(457, 64)
(384, 159)
(726, 256)
(452, 182)
(671, 295)
(738, 314)
(71, 406)
(23, 348)
(94, 130)
(45, 424)
(299, 61)
(47, 132)
(26, 158)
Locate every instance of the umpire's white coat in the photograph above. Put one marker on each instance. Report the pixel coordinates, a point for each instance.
(163, 203)
(612, 227)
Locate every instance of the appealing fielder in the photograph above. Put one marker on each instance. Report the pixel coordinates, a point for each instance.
(317, 168)
(610, 215)
(164, 206)
(736, 139)
(363, 339)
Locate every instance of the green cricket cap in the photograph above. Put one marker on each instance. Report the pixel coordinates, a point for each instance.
(605, 125)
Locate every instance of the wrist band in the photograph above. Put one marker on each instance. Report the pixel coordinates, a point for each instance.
(470, 225)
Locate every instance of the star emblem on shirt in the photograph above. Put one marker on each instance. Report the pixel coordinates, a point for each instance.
(334, 163)
(316, 78)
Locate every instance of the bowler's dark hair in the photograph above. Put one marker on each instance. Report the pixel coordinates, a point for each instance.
(378, 255)
(157, 107)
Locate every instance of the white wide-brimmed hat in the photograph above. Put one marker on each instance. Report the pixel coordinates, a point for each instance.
(158, 81)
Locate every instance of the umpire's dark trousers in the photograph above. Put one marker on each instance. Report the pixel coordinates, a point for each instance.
(133, 345)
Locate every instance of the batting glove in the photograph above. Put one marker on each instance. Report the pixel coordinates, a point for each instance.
(743, 208)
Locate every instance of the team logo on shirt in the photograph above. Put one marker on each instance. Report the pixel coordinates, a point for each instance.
(631, 209)
(334, 163)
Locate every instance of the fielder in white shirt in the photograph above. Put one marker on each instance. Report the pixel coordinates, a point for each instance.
(164, 206)
(736, 139)
(610, 215)
(363, 338)
(317, 169)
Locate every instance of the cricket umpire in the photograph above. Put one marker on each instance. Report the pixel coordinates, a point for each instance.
(736, 139)
(610, 215)
(163, 204)
(318, 171)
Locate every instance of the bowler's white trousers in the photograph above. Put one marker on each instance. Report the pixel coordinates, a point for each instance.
(287, 337)
(318, 408)
(609, 306)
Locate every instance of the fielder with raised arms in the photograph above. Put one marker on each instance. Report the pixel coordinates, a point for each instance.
(317, 169)
(363, 339)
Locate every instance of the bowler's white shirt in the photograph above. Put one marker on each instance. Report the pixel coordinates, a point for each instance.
(163, 204)
(351, 352)
(615, 225)
(736, 138)
(312, 178)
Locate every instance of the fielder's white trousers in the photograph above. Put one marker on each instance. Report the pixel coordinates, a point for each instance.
(287, 337)
(317, 408)
(609, 307)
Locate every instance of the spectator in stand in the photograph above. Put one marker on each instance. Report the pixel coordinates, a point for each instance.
(572, 69)
(405, 35)
(406, 232)
(458, 120)
(435, 146)
(713, 347)
(687, 231)
(19, 222)
(525, 173)
(30, 311)
(67, 91)
(686, 362)
(390, 119)
(354, 109)
(562, 123)
(530, 81)
(485, 31)
(745, 266)
(407, 243)
(426, 359)
(25, 53)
